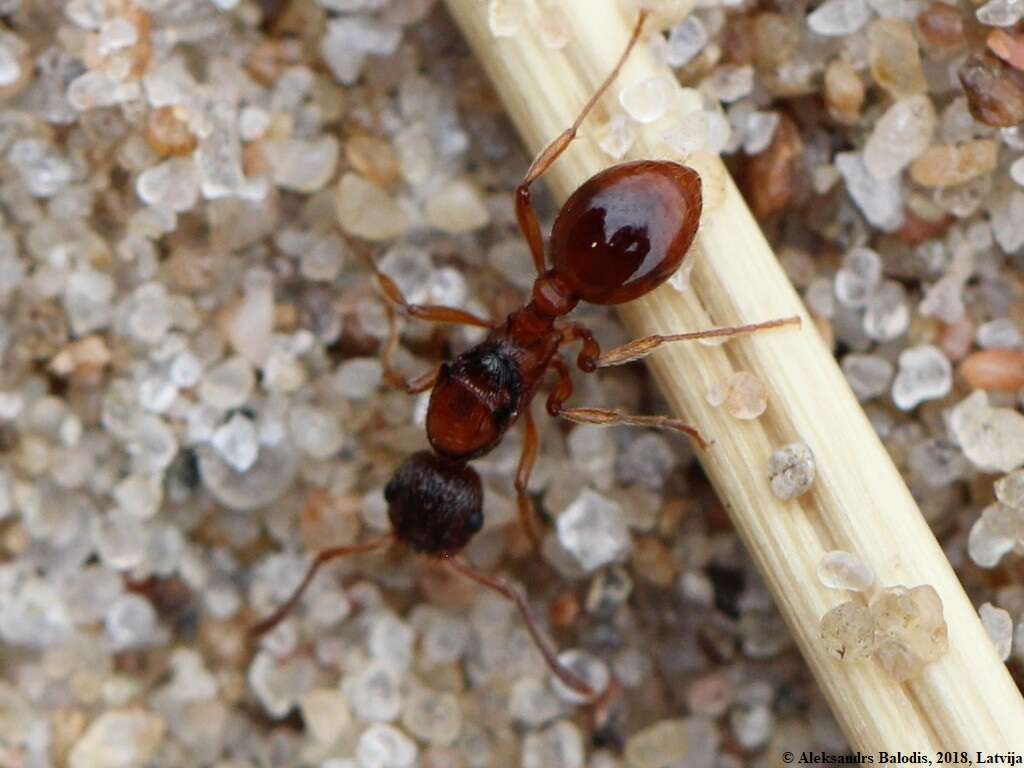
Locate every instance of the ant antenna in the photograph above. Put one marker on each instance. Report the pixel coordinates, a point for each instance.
(550, 153)
(319, 561)
(509, 592)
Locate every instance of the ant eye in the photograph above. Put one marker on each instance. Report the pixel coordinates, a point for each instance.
(475, 522)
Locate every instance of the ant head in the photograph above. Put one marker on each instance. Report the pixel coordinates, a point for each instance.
(435, 505)
(626, 230)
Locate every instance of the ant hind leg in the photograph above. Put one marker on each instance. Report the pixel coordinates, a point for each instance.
(271, 621)
(509, 592)
(525, 213)
(641, 348)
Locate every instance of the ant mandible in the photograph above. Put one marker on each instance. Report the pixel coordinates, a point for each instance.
(619, 236)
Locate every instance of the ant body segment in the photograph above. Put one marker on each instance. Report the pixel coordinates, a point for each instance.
(620, 235)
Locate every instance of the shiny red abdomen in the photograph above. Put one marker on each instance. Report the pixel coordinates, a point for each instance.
(626, 230)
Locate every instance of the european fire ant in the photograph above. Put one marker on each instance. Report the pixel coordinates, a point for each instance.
(619, 236)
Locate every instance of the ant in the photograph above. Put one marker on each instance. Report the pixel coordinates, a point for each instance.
(619, 236)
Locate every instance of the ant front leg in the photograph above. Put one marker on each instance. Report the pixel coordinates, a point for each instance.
(525, 213)
(392, 376)
(432, 313)
(606, 417)
(591, 359)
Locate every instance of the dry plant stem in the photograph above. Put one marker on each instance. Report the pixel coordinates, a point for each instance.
(966, 700)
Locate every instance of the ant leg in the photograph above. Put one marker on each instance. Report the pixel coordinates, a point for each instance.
(609, 416)
(412, 386)
(591, 358)
(525, 213)
(509, 592)
(430, 312)
(319, 561)
(527, 514)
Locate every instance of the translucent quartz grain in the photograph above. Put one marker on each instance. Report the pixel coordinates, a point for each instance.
(842, 570)
(925, 373)
(761, 127)
(647, 100)
(844, 91)
(433, 717)
(386, 746)
(1017, 171)
(1007, 217)
(119, 737)
(302, 165)
(659, 745)
(857, 279)
(367, 211)
(1009, 489)
(139, 495)
(839, 17)
(457, 208)
(902, 133)
(887, 315)
(593, 531)
(686, 40)
(950, 165)
(991, 438)
(12, 51)
(910, 630)
(791, 471)
(373, 692)
(743, 394)
(617, 137)
(325, 714)
(237, 442)
(1001, 13)
(997, 531)
(894, 57)
(559, 744)
(532, 703)
(868, 375)
(264, 483)
(999, 626)
(880, 200)
(848, 631)
(228, 384)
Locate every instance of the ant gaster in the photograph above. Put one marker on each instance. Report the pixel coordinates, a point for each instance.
(619, 236)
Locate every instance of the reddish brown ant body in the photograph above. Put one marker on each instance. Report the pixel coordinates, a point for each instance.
(619, 236)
